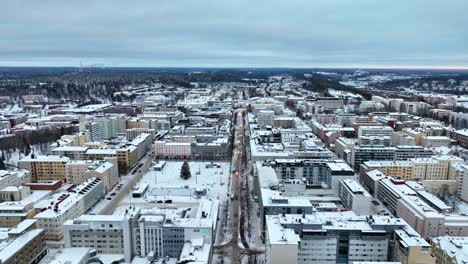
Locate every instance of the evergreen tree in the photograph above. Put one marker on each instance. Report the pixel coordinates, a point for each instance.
(27, 150)
(2, 164)
(185, 171)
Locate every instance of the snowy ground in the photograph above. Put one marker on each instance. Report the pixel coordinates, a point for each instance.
(461, 207)
(13, 156)
(168, 185)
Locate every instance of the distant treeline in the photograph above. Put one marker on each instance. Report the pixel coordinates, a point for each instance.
(23, 139)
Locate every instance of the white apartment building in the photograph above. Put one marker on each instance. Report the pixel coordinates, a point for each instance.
(63, 206)
(143, 143)
(141, 232)
(375, 131)
(72, 152)
(435, 141)
(112, 231)
(172, 149)
(459, 172)
(134, 132)
(331, 237)
(426, 213)
(77, 139)
(355, 197)
(402, 138)
(434, 168)
(107, 126)
(265, 117)
(14, 178)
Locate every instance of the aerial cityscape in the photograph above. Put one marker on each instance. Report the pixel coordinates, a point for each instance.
(161, 132)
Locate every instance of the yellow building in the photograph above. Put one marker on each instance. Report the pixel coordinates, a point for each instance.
(45, 168)
(22, 244)
(13, 213)
(411, 248)
(137, 123)
(434, 168)
(127, 156)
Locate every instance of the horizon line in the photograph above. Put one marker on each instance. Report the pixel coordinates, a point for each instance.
(365, 67)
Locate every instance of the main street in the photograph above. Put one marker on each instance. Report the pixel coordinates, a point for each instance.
(240, 206)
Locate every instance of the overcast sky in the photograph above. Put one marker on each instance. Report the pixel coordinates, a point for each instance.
(235, 33)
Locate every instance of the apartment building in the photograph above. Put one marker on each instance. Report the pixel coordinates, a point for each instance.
(45, 168)
(106, 170)
(461, 136)
(318, 173)
(438, 167)
(459, 172)
(274, 204)
(14, 193)
(401, 168)
(355, 197)
(410, 248)
(22, 244)
(142, 143)
(72, 152)
(165, 149)
(361, 154)
(127, 156)
(426, 213)
(134, 132)
(265, 117)
(94, 131)
(14, 178)
(386, 141)
(108, 126)
(13, 213)
(435, 141)
(450, 250)
(140, 232)
(112, 232)
(403, 152)
(435, 168)
(78, 139)
(376, 131)
(402, 138)
(340, 238)
(62, 206)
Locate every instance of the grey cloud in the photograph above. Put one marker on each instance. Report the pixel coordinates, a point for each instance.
(224, 33)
